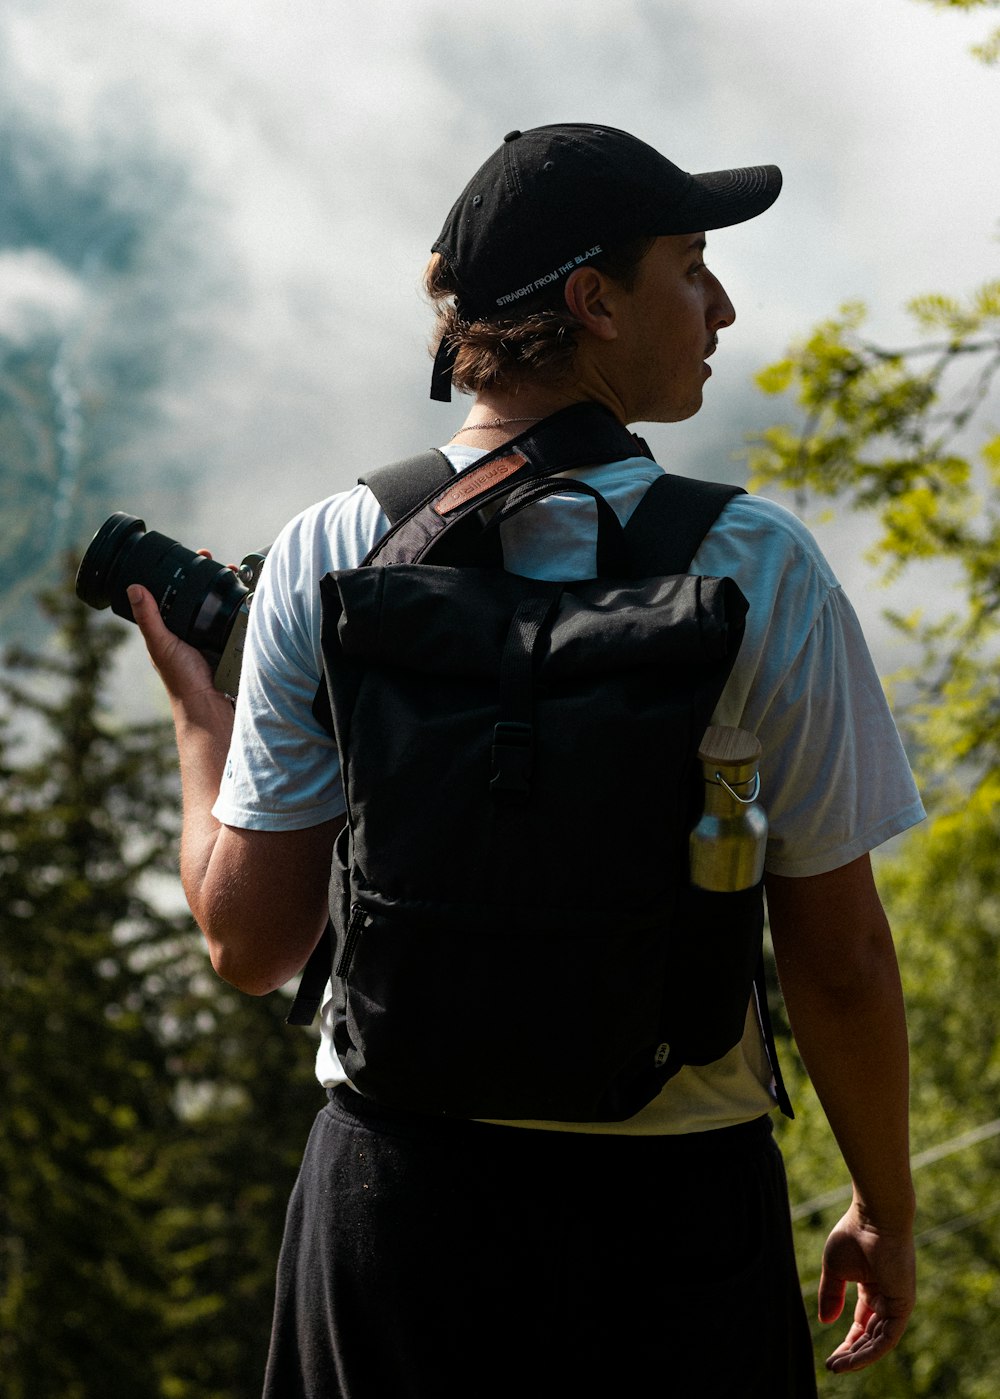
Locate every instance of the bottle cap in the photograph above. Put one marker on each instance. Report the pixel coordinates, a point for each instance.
(732, 754)
(729, 748)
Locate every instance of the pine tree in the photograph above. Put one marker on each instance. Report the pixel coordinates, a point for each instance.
(152, 1118)
(85, 1088)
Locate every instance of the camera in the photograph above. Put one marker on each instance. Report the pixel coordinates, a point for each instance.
(204, 603)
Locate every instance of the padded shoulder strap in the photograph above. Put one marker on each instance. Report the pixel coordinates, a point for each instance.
(402, 485)
(669, 523)
(397, 488)
(663, 536)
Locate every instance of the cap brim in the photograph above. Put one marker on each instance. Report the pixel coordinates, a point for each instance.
(721, 198)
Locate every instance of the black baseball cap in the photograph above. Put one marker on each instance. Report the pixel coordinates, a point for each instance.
(553, 197)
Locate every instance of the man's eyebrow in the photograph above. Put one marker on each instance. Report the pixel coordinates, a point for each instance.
(701, 243)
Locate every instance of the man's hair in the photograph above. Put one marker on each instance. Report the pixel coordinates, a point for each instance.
(537, 343)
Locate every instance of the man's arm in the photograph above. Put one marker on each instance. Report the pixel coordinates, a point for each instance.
(260, 897)
(840, 981)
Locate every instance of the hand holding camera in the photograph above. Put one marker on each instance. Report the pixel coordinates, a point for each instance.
(203, 603)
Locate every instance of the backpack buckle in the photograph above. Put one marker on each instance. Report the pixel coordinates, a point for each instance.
(510, 759)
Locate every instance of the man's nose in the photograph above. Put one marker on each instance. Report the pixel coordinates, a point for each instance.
(721, 311)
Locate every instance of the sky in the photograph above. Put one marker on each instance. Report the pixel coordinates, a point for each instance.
(293, 161)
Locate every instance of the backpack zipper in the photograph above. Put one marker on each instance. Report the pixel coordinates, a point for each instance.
(359, 920)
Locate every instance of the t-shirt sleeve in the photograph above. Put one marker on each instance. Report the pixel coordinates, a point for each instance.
(283, 772)
(835, 780)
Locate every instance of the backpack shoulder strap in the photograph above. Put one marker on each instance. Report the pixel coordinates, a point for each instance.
(397, 487)
(402, 485)
(312, 985)
(767, 1031)
(663, 535)
(669, 523)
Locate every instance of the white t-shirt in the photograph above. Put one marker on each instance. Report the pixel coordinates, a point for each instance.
(834, 779)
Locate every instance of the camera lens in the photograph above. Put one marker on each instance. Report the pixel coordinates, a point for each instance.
(96, 566)
(198, 598)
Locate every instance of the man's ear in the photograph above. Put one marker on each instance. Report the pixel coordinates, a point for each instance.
(591, 300)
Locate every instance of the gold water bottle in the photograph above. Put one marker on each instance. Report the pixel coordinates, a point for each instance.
(727, 845)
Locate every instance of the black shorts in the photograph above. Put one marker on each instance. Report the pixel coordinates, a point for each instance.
(428, 1259)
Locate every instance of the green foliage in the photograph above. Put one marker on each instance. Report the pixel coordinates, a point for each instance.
(989, 50)
(152, 1118)
(944, 900)
(886, 432)
(84, 1081)
(903, 436)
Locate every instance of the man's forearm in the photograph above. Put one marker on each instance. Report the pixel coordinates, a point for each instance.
(841, 985)
(853, 1043)
(258, 896)
(204, 727)
(203, 722)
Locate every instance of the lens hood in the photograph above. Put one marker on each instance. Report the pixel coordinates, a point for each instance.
(94, 575)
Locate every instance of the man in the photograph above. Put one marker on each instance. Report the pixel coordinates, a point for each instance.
(440, 1257)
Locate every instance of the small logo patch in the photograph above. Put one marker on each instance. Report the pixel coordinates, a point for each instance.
(475, 480)
(662, 1055)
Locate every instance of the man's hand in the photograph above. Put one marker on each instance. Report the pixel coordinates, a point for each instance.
(183, 669)
(883, 1266)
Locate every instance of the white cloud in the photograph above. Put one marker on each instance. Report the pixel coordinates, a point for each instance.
(38, 296)
(325, 142)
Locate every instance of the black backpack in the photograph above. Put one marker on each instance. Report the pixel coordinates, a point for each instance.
(515, 935)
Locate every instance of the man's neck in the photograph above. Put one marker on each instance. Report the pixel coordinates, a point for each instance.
(498, 415)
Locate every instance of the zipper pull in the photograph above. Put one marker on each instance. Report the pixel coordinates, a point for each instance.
(359, 920)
